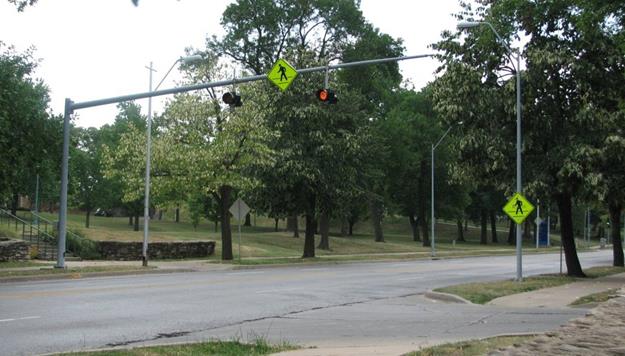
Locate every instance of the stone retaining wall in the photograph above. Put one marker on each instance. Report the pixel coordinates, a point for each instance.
(130, 251)
(13, 250)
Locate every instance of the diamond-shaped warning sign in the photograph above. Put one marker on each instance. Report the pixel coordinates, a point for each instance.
(282, 74)
(518, 208)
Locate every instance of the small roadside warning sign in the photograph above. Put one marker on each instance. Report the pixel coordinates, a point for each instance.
(239, 209)
(518, 208)
(282, 74)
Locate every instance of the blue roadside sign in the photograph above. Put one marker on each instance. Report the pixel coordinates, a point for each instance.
(543, 241)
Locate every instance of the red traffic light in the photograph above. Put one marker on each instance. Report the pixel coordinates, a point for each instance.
(232, 99)
(326, 95)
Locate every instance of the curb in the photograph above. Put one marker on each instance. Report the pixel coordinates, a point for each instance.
(445, 297)
(78, 275)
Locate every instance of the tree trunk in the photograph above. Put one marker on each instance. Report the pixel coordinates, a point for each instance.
(324, 227)
(493, 226)
(351, 222)
(414, 226)
(160, 214)
(376, 219)
(527, 229)
(87, 218)
(309, 236)
(14, 203)
(290, 223)
(177, 218)
(512, 233)
(136, 225)
(295, 227)
(248, 220)
(615, 223)
(216, 225)
(275, 226)
(483, 227)
(460, 231)
(573, 267)
(226, 233)
(130, 221)
(344, 227)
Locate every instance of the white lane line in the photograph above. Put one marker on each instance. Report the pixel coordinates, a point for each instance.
(277, 290)
(411, 278)
(16, 319)
(246, 273)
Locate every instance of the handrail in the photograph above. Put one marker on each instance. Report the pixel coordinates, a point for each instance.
(42, 218)
(54, 224)
(26, 223)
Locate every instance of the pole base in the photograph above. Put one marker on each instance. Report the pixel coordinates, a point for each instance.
(144, 261)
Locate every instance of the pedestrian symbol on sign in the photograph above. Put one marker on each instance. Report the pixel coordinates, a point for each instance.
(282, 74)
(518, 208)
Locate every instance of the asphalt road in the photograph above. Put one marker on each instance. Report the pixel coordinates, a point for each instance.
(323, 305)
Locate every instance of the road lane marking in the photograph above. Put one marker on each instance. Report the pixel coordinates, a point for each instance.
(246, 273)
(17, 319)
(411, 278)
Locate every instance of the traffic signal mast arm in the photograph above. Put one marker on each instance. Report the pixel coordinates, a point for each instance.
(71, 106)
(87, 104)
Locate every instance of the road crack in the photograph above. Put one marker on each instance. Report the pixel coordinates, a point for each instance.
(288, 315)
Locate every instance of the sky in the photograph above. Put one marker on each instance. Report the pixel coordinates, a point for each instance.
(95, 49)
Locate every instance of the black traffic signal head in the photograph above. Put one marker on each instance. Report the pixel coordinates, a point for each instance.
(327, 96)
(232, 99)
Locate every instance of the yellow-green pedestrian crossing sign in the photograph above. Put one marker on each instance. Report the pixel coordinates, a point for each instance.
(518, 208)
(282, 74)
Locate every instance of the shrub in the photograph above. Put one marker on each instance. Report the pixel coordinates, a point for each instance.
(81, 246)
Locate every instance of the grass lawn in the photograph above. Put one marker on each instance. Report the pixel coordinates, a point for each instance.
(262, 241)
(216, 348)
(597, 297)
(472, 347)
(481, 293)
(20, 264)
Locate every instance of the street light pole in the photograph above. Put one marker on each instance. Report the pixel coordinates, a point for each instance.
(148, 151)
(433, 235)
(519, 188)
(148, 155)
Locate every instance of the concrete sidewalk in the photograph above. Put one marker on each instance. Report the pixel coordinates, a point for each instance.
(561, 296)
(591, 327)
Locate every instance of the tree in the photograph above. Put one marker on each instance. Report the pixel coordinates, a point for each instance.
(20, 5)
(560, 138)
(123, 158)
(88, 187)
(28, 135)
(408, 130)
(206, 150)
(307, 33)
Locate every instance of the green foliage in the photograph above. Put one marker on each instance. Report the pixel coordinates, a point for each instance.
(122, 148)
(20, 5)
(260, 32)
(81, 246)
(210, 348)
(29, 137)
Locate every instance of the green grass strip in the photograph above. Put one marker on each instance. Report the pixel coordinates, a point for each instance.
(481, 293)
(596, 297)
(221, 348)
(472, 347)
